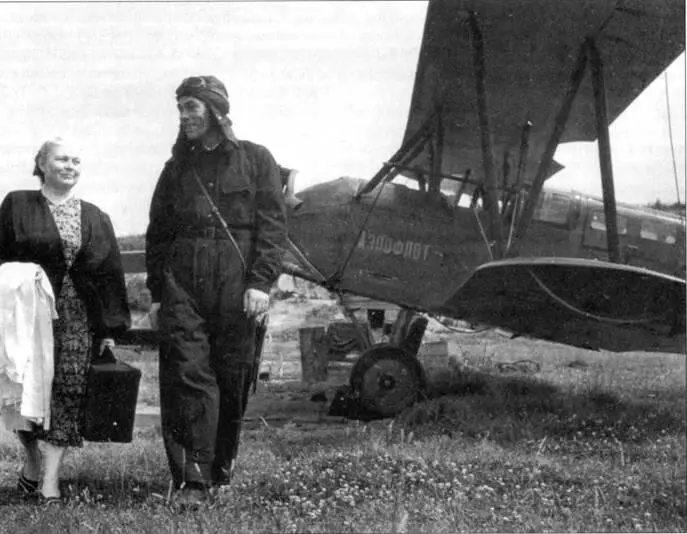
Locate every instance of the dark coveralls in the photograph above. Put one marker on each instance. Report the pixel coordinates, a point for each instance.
(207, 348)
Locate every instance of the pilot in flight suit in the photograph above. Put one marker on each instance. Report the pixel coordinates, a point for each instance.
(210, 294)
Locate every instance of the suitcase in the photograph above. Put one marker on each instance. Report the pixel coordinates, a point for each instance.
(109, 407)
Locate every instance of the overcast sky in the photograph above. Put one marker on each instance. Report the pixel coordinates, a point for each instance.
(325, 86)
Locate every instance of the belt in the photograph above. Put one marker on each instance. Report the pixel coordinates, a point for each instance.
(209, 232)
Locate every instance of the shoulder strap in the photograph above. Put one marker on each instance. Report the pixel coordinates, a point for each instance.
(219, 217)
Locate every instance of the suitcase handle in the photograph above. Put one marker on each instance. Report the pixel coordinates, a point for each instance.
(107, 356)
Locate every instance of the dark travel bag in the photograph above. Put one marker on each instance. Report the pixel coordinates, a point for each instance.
(109, 408)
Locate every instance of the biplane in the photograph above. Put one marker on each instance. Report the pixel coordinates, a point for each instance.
(499, 85)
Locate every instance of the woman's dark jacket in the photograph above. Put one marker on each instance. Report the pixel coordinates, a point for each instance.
(28, 233)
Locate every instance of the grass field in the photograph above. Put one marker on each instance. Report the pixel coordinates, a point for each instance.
(591, 442)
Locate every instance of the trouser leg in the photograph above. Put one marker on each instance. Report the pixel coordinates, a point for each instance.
(189, 395)
(234, 387)
(189, 405)
(208, 339)
(172, 427)
(233, 364)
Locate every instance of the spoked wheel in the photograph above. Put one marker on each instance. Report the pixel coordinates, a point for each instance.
(387, 380)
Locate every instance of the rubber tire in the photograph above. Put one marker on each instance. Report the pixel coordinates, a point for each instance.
(378, 353)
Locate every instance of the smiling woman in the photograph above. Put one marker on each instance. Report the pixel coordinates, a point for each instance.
(73, 242)
(57, 167)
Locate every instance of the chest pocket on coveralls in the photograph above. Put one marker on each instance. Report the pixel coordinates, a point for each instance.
(237, 198)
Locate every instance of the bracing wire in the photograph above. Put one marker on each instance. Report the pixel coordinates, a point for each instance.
(457, 330)
(343, 266)
(670, 136)
(516, 209)
(572, 308)
(484, 234)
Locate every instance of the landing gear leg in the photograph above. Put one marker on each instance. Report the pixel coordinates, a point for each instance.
(408, 331)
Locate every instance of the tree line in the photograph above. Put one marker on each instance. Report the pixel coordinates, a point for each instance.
(675, 207)
(132, 242)
(138, 242)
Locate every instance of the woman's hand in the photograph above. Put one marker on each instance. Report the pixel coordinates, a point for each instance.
(107, 342)
(255, 302)
(153, 315)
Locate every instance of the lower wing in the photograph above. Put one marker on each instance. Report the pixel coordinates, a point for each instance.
(584, 303)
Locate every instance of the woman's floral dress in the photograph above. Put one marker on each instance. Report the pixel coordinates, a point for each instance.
(73, 340)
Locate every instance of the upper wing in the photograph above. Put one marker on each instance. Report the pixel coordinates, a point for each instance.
(530, 50)
(584, 303)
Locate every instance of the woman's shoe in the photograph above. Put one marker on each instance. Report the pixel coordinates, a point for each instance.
(49, 501)
(27, 486)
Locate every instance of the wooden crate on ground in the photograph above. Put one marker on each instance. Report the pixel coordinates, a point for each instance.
(434, 356)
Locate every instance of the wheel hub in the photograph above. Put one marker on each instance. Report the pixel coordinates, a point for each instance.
(387, 380)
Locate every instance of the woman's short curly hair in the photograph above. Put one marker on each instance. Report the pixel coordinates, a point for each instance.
(42, 154)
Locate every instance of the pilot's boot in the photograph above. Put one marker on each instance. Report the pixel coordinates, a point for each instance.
(191, 496)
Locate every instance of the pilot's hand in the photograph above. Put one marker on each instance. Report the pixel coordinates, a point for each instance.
(107, 342)
(255, 302)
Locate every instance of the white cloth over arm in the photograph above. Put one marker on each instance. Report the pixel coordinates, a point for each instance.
(27, 309)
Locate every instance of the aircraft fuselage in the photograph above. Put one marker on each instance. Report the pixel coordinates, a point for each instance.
(414, 248)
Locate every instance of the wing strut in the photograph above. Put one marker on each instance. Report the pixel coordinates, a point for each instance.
(588, 53)
(490, 185)
(411, 147)
(604, 143)
(437, 155)
(524, 151)
(559, 126)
